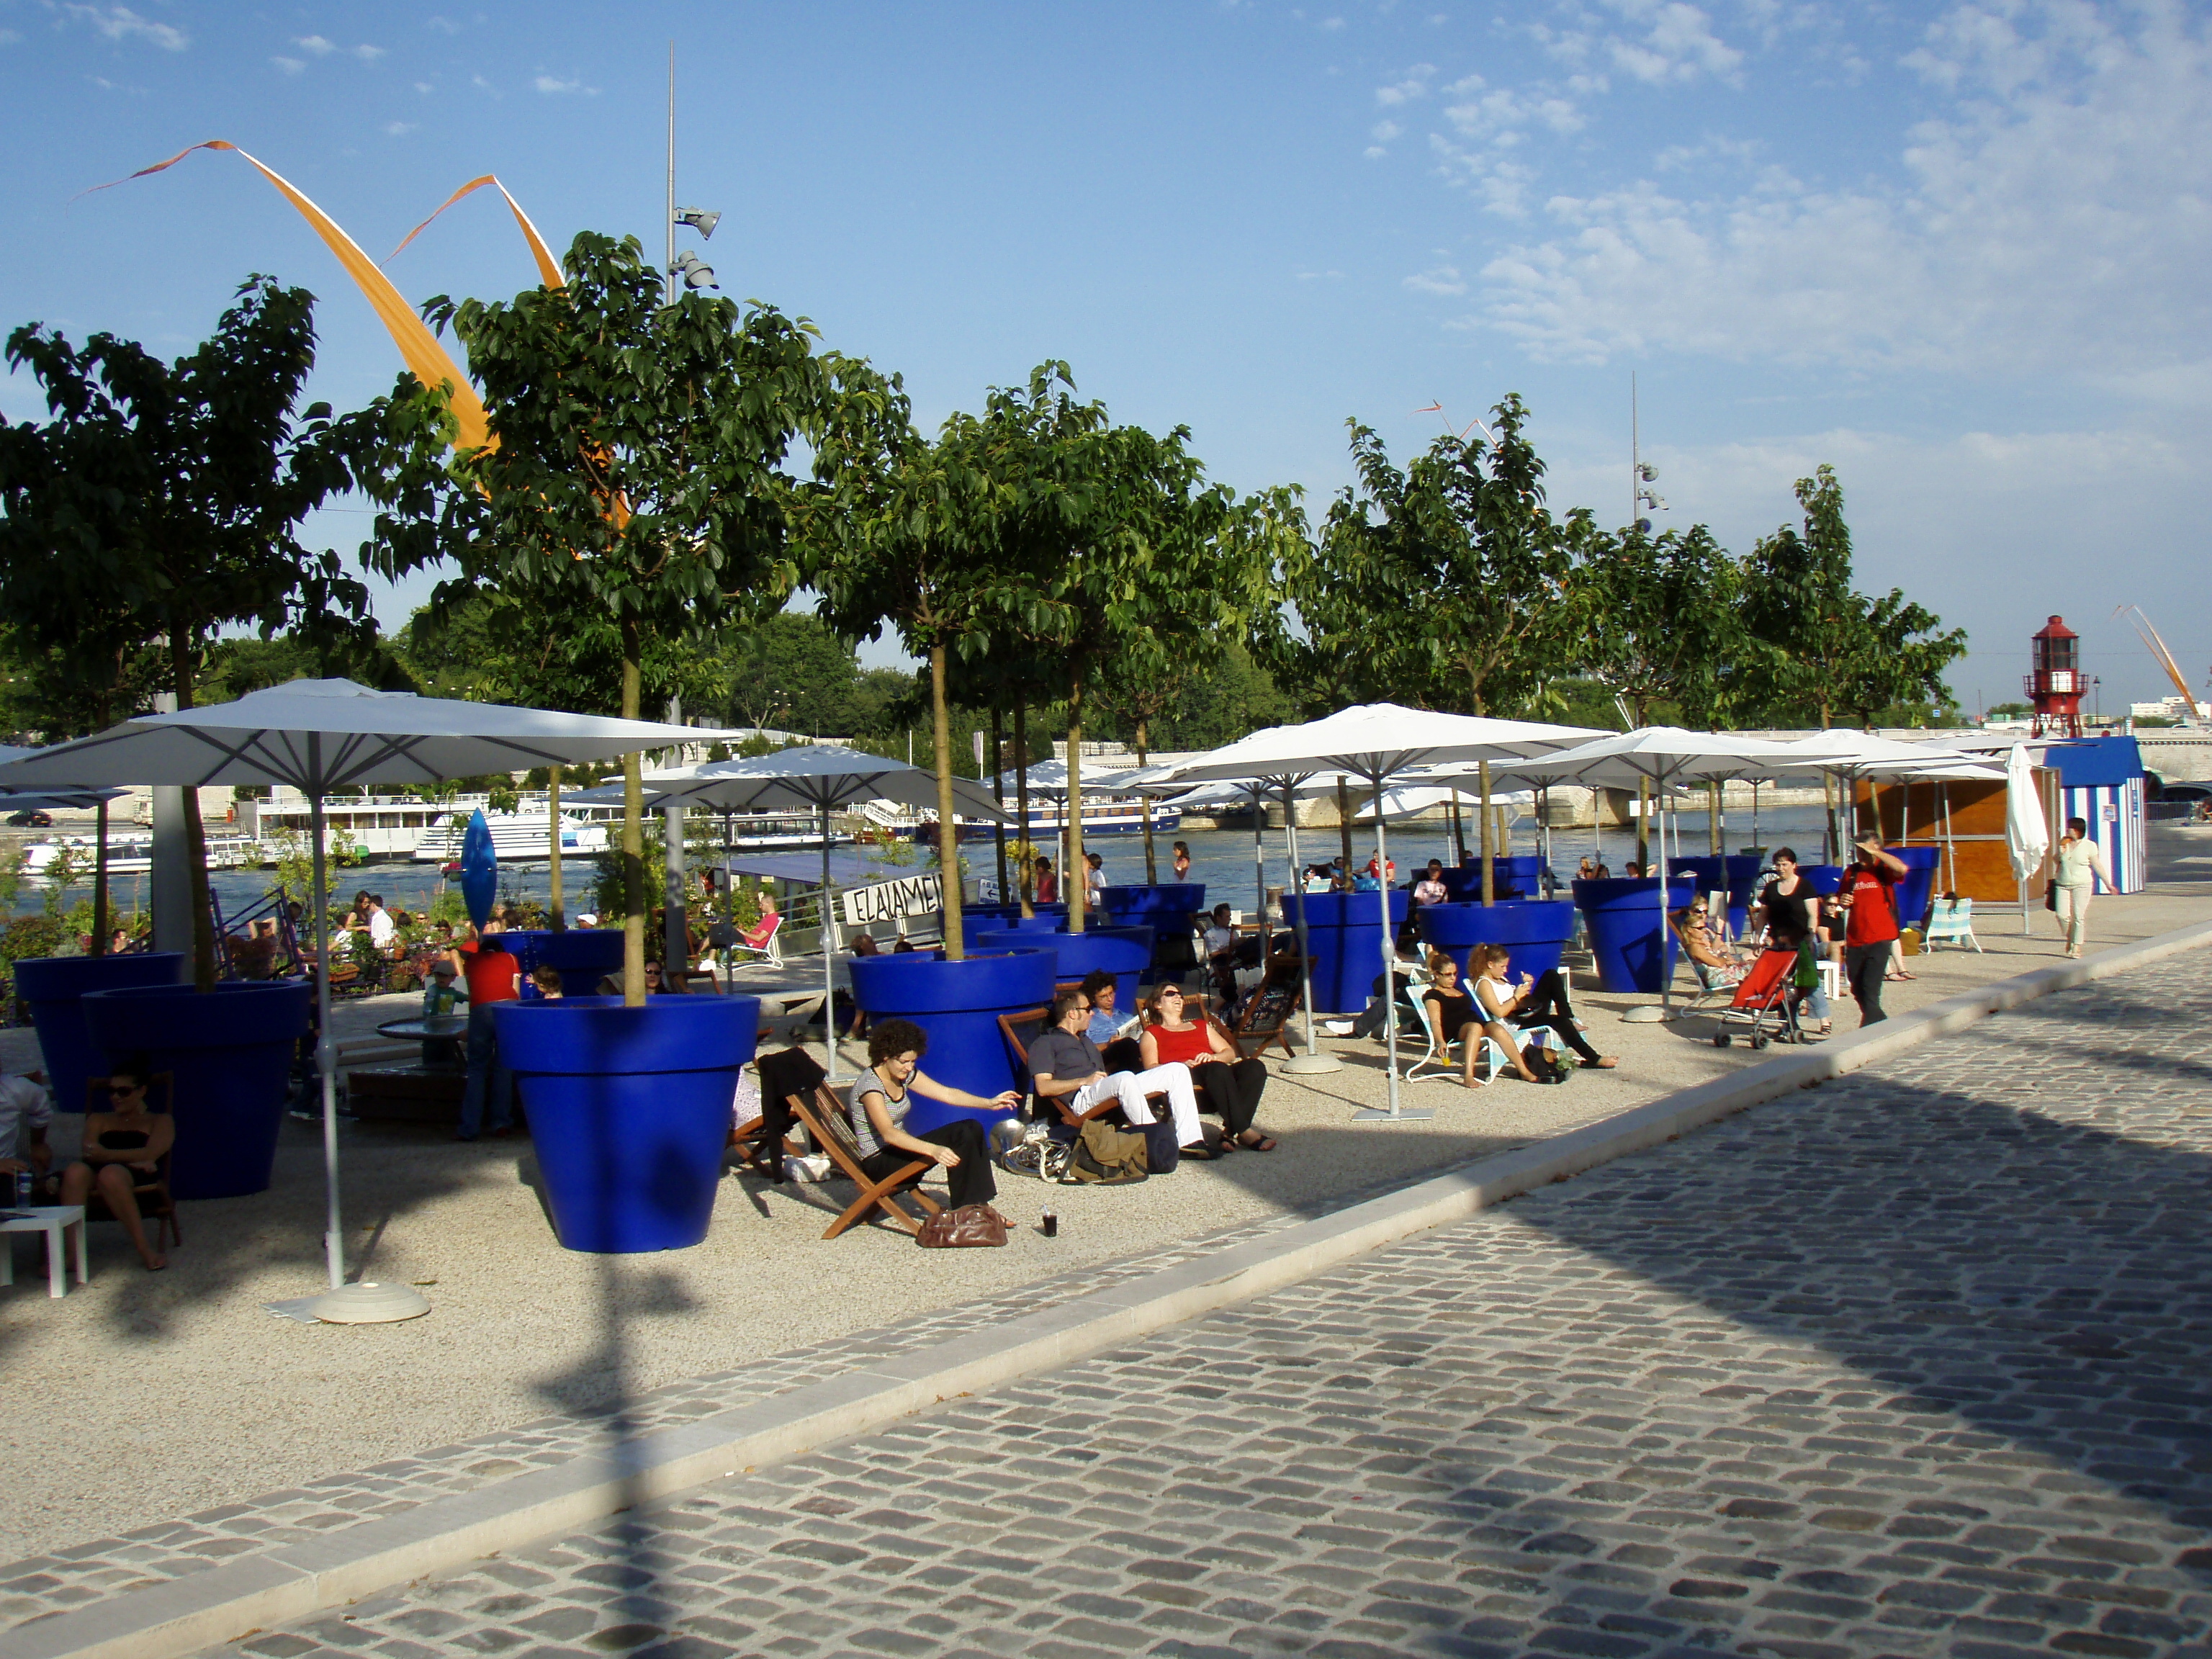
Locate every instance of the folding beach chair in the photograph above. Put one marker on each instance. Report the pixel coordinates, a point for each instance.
(1023, 1029)
(1951, 921)
(1438, 1057)
(1765, 1002)
(824, 1118)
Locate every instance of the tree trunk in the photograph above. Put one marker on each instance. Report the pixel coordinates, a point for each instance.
(196, 872)
(1343, 823)
(1713, 816)
(1643, 823)
(948, 836)
(633, 833)
(1145, 806)
(1025, 854)
(1458, 832)
(555, 915)
(999, 793)
(1489, 873)
(1072, 877)
(100, 880)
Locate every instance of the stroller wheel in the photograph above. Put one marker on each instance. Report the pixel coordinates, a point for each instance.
(1758, 1042)
(1721, 1039)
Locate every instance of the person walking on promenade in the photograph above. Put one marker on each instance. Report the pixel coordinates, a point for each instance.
(2076, 863)
(1870, 887)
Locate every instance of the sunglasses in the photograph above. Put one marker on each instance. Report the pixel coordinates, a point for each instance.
(1164, 995)
(126, 1088)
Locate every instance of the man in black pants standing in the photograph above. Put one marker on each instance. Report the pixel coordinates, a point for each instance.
(1870, 887)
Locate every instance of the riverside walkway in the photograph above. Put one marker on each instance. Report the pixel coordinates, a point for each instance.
(1917, 1361)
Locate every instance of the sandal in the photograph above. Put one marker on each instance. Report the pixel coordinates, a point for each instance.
(1265, 1144)
(1602, 1063)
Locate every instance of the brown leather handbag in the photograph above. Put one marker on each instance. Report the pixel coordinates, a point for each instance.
(972, 1226)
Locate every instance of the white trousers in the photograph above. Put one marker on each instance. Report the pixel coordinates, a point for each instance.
(1131, 1088)
(2073, 916)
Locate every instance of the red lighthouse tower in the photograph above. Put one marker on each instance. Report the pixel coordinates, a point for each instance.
(2055, 687)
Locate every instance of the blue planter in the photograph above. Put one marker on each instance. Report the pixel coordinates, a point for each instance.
(584, 956)
(1520, 876)
(1124, 952)
(629, 1111)
(1536, 931)
(1743, 871)
(1917, 886)
(1170, 909)
(1629, 937)
(1344, 937)
(1824, 878)
(957, 1005)
(53, 987)
(1706, 872)
(230, 1050)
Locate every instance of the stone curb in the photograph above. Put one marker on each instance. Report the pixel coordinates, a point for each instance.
(183, 1615)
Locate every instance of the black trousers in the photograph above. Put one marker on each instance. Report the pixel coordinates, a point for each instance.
(970, 1179)
(1864, 965)
(1547, 1005)
(1230, 1088)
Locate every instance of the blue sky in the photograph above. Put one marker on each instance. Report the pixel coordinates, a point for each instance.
(1958, 252)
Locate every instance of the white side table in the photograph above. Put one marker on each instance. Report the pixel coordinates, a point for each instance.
(1832, 979)
(54, 1220)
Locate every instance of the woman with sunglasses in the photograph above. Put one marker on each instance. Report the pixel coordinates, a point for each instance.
(1229, 1082)
(123, 1149)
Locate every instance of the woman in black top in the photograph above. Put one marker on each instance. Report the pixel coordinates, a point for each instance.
(1455, 1019)
(1789, 907)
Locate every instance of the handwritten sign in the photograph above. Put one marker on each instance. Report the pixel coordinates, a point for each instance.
(909, 896)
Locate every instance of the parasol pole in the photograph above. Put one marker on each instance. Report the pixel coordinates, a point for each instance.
(829, 968)
(326, 1049)
(1391, 1113)
(1313, 1062)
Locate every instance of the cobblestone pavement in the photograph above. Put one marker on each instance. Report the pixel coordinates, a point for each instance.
(1915, 1363)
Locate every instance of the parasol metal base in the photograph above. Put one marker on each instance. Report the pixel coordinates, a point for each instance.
(1647, 1014)
(1311, 1065)
(369, 1303)
(1381, 1114)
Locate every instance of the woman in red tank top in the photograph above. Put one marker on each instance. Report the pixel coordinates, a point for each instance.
(1225, 1083)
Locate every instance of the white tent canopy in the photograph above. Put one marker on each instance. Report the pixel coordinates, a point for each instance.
(322, 735)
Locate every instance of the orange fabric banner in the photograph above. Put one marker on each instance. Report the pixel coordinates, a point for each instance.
(418, 347)
(549, 268)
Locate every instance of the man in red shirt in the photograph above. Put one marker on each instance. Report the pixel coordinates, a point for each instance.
(1869, 886)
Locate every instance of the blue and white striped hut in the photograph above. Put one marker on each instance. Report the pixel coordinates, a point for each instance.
(2101, 780)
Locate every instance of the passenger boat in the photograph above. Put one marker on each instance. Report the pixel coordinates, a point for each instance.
(131, 852)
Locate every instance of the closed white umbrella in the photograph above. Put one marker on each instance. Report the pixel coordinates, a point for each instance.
(1373, 743)
(320, 736)
(2027, 837)
(817, 777)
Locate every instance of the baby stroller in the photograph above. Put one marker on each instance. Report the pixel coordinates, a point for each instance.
(1765, 1001)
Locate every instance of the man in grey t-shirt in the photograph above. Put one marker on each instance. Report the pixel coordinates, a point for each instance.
(1066, 1066)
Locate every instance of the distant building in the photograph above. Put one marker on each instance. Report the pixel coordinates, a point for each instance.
(2166, 708)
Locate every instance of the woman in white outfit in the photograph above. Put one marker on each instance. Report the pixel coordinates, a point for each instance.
(2076, 864)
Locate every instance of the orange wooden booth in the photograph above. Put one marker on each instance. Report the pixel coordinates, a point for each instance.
(1970, 817)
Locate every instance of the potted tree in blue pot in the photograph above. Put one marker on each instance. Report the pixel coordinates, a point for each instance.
(635, 491)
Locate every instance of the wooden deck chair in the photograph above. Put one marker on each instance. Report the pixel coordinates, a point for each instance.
(1020, 1031)
(150, 1193)
(824, 1118)
(1951, 921)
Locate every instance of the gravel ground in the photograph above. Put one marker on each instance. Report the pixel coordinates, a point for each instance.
(247, 1402)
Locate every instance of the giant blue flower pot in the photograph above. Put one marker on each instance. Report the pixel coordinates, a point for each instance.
(628, 1111)
(1824, 878)
(54, 986)
(1918, 885)
(1519, 875)
(1700, 872)
(1742, 889)
(1628, 936)
(1170, 909)
(957, 1005)
(1124, 952)
(230, 1051)
(1344, 937)
(1048, 918)
(1535, 931)
(583, 956)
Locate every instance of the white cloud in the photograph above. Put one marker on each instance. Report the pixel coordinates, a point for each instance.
(1384, 132)
(401, 129)
(552, 85)
(444, 25)
(289, 65)
(1679, 45)
(482, 85)
(366, 54)
(424, 87)
(1415, 85)
(120, 23)
(1437, 279)
(9, 37)
(316, 44)
(2056, 215)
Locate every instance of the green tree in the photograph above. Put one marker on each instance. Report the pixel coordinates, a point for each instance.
(636, 488)
(164, 501)
(1831, 648)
